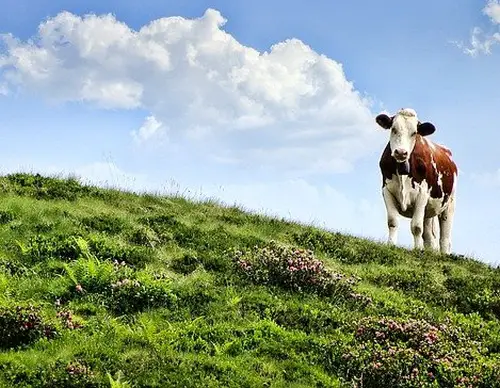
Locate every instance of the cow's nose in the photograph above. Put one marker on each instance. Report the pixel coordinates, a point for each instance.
(400, 153)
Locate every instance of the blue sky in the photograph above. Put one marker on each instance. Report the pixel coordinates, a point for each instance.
(283, 133)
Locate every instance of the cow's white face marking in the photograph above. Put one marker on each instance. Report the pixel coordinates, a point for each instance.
(403, 134)
(404, 127)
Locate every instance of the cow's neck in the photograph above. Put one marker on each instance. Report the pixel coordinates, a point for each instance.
(403, 168)
(404, 179)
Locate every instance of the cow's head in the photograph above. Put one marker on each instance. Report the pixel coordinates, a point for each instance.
(404, 128)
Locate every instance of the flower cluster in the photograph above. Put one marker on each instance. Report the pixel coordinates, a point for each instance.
(414, 353)
(77, 368)
(294, 269)
(360, 298)
(77, 374)
(66, 318)
(419, 334)
(126, 282)
(22, 325)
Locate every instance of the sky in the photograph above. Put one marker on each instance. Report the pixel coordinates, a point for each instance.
(267, 105)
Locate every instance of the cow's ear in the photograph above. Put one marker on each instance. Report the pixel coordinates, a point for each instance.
(426, 129)
(384, 121)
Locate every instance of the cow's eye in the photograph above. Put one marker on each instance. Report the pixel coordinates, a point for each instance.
(414, 134)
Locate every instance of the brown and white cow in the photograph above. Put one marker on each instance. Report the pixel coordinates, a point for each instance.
(418, 181)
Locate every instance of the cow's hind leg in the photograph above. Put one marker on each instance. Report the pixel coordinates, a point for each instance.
(445, 226)
(431, 233)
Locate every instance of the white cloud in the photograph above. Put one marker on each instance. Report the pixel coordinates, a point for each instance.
(481, 43)
(203, 84)
(151, 129)
(492, 10)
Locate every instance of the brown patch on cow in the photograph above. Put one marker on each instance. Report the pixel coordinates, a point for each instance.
(421, 167)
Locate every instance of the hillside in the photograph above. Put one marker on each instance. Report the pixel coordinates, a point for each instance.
(104, 288)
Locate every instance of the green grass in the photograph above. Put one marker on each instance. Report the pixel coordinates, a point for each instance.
(104, 288)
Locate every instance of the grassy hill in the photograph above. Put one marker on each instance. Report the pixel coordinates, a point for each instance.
(102, 288)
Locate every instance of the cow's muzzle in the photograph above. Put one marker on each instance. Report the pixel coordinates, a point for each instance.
(400, 155)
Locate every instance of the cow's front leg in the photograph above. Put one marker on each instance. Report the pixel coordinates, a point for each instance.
(392, 216)
(445, 224)
(417, 221)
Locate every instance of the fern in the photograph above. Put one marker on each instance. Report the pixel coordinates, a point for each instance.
(71, 273)
(92, 274)
(118, 383)
(84, 247)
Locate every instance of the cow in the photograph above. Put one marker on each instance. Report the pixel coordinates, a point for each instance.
(419, 180)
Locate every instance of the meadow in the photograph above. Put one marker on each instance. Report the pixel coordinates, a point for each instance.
(108, 288)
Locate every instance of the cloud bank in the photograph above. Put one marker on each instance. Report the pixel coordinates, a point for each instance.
(289, 107)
